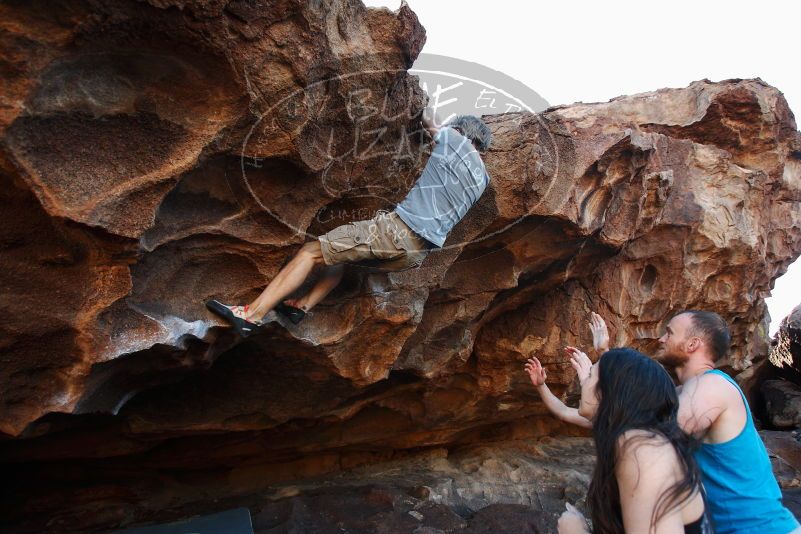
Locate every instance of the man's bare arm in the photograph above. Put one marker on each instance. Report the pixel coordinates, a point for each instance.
(700, 404)
(430, 123)
(537, 374)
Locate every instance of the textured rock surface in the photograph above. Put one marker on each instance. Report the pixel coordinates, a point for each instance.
(785, 353)
(785, 454)
(157, 154)
(477, 489)
(784, 450)
(782, 403)
(120, 121)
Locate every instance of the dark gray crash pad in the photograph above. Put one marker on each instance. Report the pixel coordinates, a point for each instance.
(236, 521)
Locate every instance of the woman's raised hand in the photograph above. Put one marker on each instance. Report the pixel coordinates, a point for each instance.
(580, 362)
(536, 372)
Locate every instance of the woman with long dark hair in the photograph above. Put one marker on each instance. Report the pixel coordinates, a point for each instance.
(645, 477)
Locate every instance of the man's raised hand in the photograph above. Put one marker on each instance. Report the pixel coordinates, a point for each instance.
(536, 372)
(430, 123)
(600, 333)
(580, 362)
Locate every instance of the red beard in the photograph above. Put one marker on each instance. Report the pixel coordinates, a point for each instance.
(671, 359)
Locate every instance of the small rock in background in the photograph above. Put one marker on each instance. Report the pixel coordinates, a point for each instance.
(782, 403)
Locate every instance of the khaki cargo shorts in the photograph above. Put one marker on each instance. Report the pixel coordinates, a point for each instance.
(385, 239)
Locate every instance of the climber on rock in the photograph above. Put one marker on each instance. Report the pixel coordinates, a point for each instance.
(452, 181)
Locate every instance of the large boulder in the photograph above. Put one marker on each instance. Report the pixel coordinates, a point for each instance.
(154, 155)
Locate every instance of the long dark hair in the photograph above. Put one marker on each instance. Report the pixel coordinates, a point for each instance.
(635, 393)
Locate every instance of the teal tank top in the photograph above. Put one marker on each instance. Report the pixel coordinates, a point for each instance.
(742, 492)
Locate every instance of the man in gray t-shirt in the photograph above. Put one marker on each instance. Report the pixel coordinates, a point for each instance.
(451, 183)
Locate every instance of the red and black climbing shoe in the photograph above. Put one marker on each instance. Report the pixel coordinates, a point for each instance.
(236, 316)
(292, 313)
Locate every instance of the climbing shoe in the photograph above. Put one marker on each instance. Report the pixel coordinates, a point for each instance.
(242, 325)
(292, 313)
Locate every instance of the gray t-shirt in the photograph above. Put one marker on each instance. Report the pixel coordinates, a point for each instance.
(452, 181)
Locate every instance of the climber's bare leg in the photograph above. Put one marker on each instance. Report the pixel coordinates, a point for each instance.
(287, 280)
(330, 280)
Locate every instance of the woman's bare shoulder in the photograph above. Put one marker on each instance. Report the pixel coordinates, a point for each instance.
(643, 447)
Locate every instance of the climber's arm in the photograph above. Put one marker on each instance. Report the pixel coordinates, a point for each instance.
(430, 123)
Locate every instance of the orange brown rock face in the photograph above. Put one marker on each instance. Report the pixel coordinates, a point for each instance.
(155, 155)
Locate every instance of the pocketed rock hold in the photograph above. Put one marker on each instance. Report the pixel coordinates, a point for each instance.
(154, 155)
